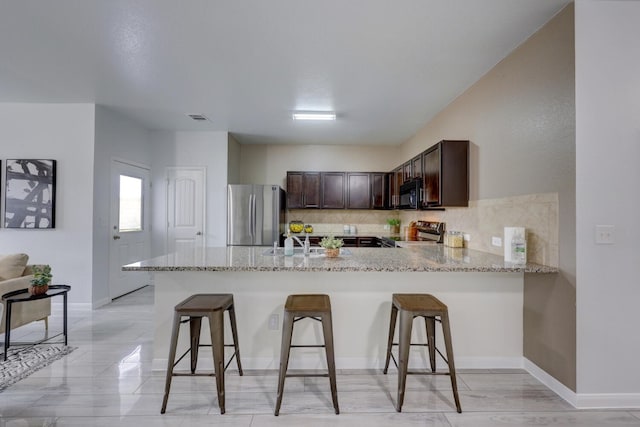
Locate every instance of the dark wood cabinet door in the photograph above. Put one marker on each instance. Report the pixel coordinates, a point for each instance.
(367, 242)
(358, 190)
(416, 167)
(294, 190)
(454, 173)
(431, 176)
(380, 190)
(311, 190)
(350, 242)
(406, 172)
(314, 241)
(446, 174)
(333, 189)
(303, 190)
(397, 182)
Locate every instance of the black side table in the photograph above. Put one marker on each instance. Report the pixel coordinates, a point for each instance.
(22, 295)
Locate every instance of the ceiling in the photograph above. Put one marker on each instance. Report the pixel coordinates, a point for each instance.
(385, 67)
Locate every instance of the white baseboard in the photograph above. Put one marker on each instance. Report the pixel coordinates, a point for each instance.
(584, 400)
(608, 400)
(100, 303)
(556, 386)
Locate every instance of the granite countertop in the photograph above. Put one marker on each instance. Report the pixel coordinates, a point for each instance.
(432, 258)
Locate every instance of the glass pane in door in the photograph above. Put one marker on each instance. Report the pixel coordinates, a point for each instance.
(130, 218)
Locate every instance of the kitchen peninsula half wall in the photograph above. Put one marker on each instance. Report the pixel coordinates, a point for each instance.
(484, 296)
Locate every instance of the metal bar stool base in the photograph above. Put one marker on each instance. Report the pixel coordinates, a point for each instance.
(298, 307)
(211, 306)
(433, 310)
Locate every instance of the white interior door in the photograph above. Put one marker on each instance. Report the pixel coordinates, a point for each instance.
(185, 209)
(130, 226)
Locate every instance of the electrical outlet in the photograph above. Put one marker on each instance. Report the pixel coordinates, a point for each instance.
(605, 234)
(496, 241)
(273, 322)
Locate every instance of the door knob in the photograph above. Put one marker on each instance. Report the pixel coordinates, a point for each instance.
(199, 233)
(116, 237)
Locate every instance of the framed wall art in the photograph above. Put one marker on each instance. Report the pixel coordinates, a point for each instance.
(30, 193)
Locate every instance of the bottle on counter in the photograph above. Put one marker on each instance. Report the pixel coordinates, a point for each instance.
(288, 245)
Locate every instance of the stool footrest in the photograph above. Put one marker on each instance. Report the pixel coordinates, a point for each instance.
(307, 375)
(428, 373)
(196, 374)
(307, 346)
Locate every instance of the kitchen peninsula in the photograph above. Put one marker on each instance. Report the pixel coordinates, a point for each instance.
(484, 295)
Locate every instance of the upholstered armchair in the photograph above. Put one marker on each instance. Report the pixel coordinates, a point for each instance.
(16, 274)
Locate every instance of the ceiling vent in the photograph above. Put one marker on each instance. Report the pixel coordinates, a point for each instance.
(198, 117)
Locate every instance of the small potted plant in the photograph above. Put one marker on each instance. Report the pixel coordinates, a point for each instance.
(331, 246)
(394, 225)
(41, 279)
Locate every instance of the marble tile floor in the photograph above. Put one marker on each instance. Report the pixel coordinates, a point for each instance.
(108, 381)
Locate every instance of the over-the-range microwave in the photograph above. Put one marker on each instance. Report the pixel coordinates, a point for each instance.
(411, 194)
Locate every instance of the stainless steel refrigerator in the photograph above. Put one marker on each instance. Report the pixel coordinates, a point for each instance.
(255, 214)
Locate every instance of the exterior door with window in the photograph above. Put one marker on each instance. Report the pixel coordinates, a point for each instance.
(130, 234)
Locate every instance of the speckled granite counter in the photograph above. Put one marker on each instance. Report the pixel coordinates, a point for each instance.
(420, 258)
(484, 296)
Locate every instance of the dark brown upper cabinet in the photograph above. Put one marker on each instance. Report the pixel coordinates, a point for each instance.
(445, 169)
(416, 166)
(303, 190)
(333, 189)
(396, 181)
(358, 190)
(406, 172)
(380, 190)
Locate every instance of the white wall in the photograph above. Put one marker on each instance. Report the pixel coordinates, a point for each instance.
(607, 192)
(208, 149)
(116, 137)
(65, 133)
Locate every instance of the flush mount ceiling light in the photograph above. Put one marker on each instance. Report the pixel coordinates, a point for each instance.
(314, 115)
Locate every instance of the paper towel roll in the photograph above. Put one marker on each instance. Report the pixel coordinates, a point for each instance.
(509, 232)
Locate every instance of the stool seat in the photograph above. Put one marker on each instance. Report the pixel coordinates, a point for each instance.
(308, 304)
(195, 307)
(432, 309)
(425, 304)
(204, 303)
(298, 307)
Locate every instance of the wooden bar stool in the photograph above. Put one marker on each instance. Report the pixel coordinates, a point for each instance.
(211, 306)
(432, 309)
(298, 307)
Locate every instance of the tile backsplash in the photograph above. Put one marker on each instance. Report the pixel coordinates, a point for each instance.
(483, 219)
(333, 220)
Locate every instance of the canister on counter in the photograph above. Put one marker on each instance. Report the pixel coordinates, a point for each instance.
(454, 239)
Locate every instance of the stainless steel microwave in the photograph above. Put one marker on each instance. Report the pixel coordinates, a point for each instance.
(411, 194)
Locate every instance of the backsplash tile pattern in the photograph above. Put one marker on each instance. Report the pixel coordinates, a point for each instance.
(538, 213)
(333, 220)
(483, 219)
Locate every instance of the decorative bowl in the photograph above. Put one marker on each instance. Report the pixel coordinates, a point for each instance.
(296, 226)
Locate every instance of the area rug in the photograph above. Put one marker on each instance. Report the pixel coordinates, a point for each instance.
(24, 361)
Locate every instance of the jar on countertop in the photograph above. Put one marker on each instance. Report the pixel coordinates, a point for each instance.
(454, 239)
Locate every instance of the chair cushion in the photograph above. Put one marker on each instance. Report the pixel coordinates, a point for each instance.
(12, 266)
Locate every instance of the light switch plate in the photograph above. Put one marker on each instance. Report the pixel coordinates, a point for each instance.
(273, 322)
(496, 241)
(605, 234)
